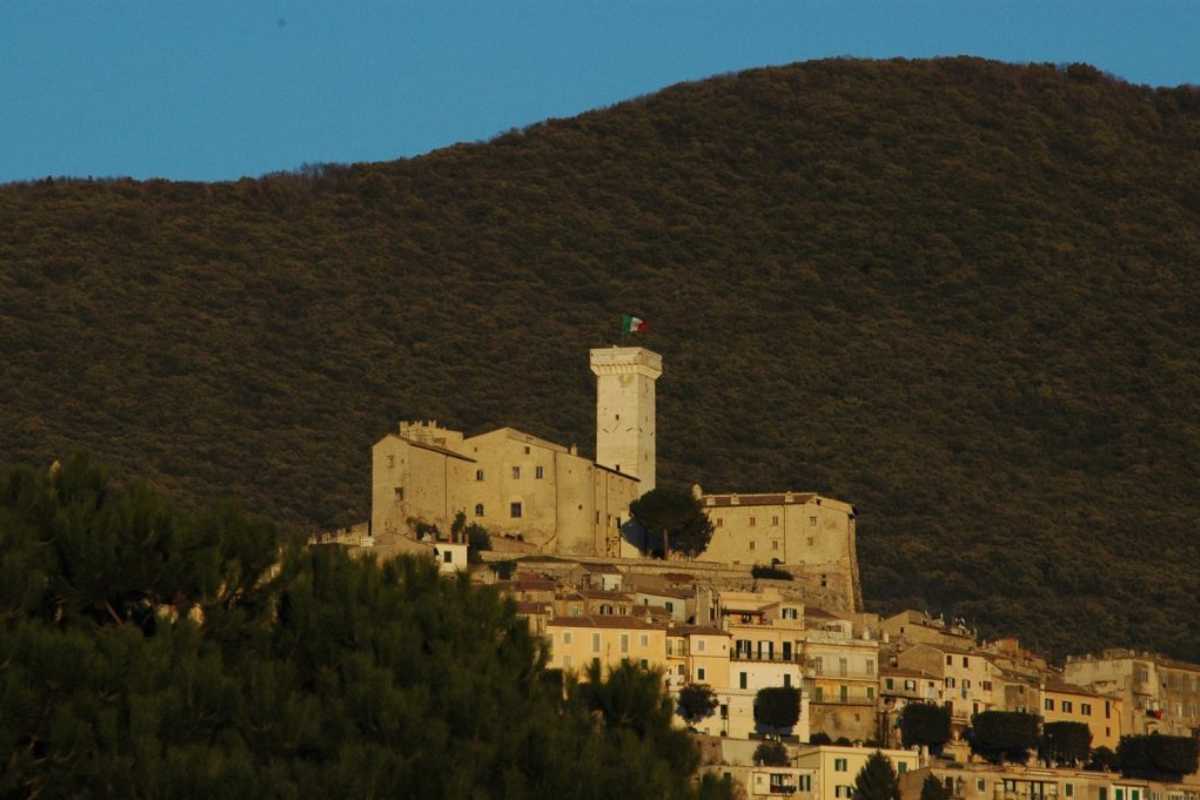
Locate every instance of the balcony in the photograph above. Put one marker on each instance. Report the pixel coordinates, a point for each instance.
(784, 788)
(776, 658)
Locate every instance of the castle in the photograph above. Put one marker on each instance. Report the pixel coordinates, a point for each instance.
(558, 502)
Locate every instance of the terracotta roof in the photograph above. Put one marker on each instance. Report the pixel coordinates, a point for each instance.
(818, 613)
(1056, 685)
(529, 607)
(901, 672)
(698, 630)
(725, 500)
(534, 585)
(594, 621)
(434, 448)
(680, 594)
(598, 594)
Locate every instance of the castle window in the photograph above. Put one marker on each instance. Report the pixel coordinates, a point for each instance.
(514, 510)
(752, 545)
(1066, 706)
(775, 545)
(812, 521)
(391, 461)
(399, 492)
(448, 557)
(775, 521)
(752, 522)
(516, 473)
(810, 541)
(1049, 704)
(527, 450)
(478, 474)
(720, 522)
(479, 509)
(539, 473)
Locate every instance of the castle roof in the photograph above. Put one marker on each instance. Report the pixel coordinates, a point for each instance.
(432, 447)
(602, 621)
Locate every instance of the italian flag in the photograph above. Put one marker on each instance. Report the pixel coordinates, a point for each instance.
(631, 324)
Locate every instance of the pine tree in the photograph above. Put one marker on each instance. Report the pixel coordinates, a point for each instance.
(877, 780)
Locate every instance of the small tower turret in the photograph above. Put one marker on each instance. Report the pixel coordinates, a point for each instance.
(625, 416)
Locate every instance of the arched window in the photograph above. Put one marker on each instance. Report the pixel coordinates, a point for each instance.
(479, 509)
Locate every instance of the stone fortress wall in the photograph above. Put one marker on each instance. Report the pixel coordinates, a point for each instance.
(556, 502)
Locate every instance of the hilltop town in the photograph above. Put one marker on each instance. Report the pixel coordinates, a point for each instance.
(772, 603)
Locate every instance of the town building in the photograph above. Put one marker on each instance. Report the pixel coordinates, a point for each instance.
(842, 676)
(967, 678)
(787, 528)
(1157, 693)
(898, 688)
(976, 781)
(1065, 702)
(835, 768)
(577, 642)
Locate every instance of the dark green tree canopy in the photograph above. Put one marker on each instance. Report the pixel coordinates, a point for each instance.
(877, 780)
(771, 754)
(1157, 757)
(933, 789)
(1004, 735)
(310, 675)
(777, 709)
(696, 702)
(925, 724)
(1066, 743)
(1103, 759)
(677, 517)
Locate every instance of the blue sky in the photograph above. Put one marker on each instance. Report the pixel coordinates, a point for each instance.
(216, 90)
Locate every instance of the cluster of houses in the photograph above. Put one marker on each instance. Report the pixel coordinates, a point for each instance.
(585, 582)
(855, 673)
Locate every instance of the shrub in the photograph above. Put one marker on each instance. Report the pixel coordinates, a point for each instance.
(771, 572)
(696, 702)
(1066, 742)
(1004, 735)
(925, 724)
(771, 754)
(1157, 757)
(777, 708)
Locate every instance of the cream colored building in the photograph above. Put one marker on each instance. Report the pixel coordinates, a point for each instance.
(798, 529)
(1157, 693)
(897, 688)
(1064, 702)
(758, 781)
(842, 677)
(836, 768)
(512, 483)
(576, 642)
(916, 627)
(698, 654)
(978, 781)
(967, 676)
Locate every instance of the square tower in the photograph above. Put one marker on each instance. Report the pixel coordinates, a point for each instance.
(625, 423)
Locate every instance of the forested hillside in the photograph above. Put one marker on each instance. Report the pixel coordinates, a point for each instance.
(957, 293)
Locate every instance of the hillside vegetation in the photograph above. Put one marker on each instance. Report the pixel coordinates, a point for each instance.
(958, 293)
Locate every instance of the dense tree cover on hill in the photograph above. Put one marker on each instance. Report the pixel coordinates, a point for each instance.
(313, 676)
(957, 293)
